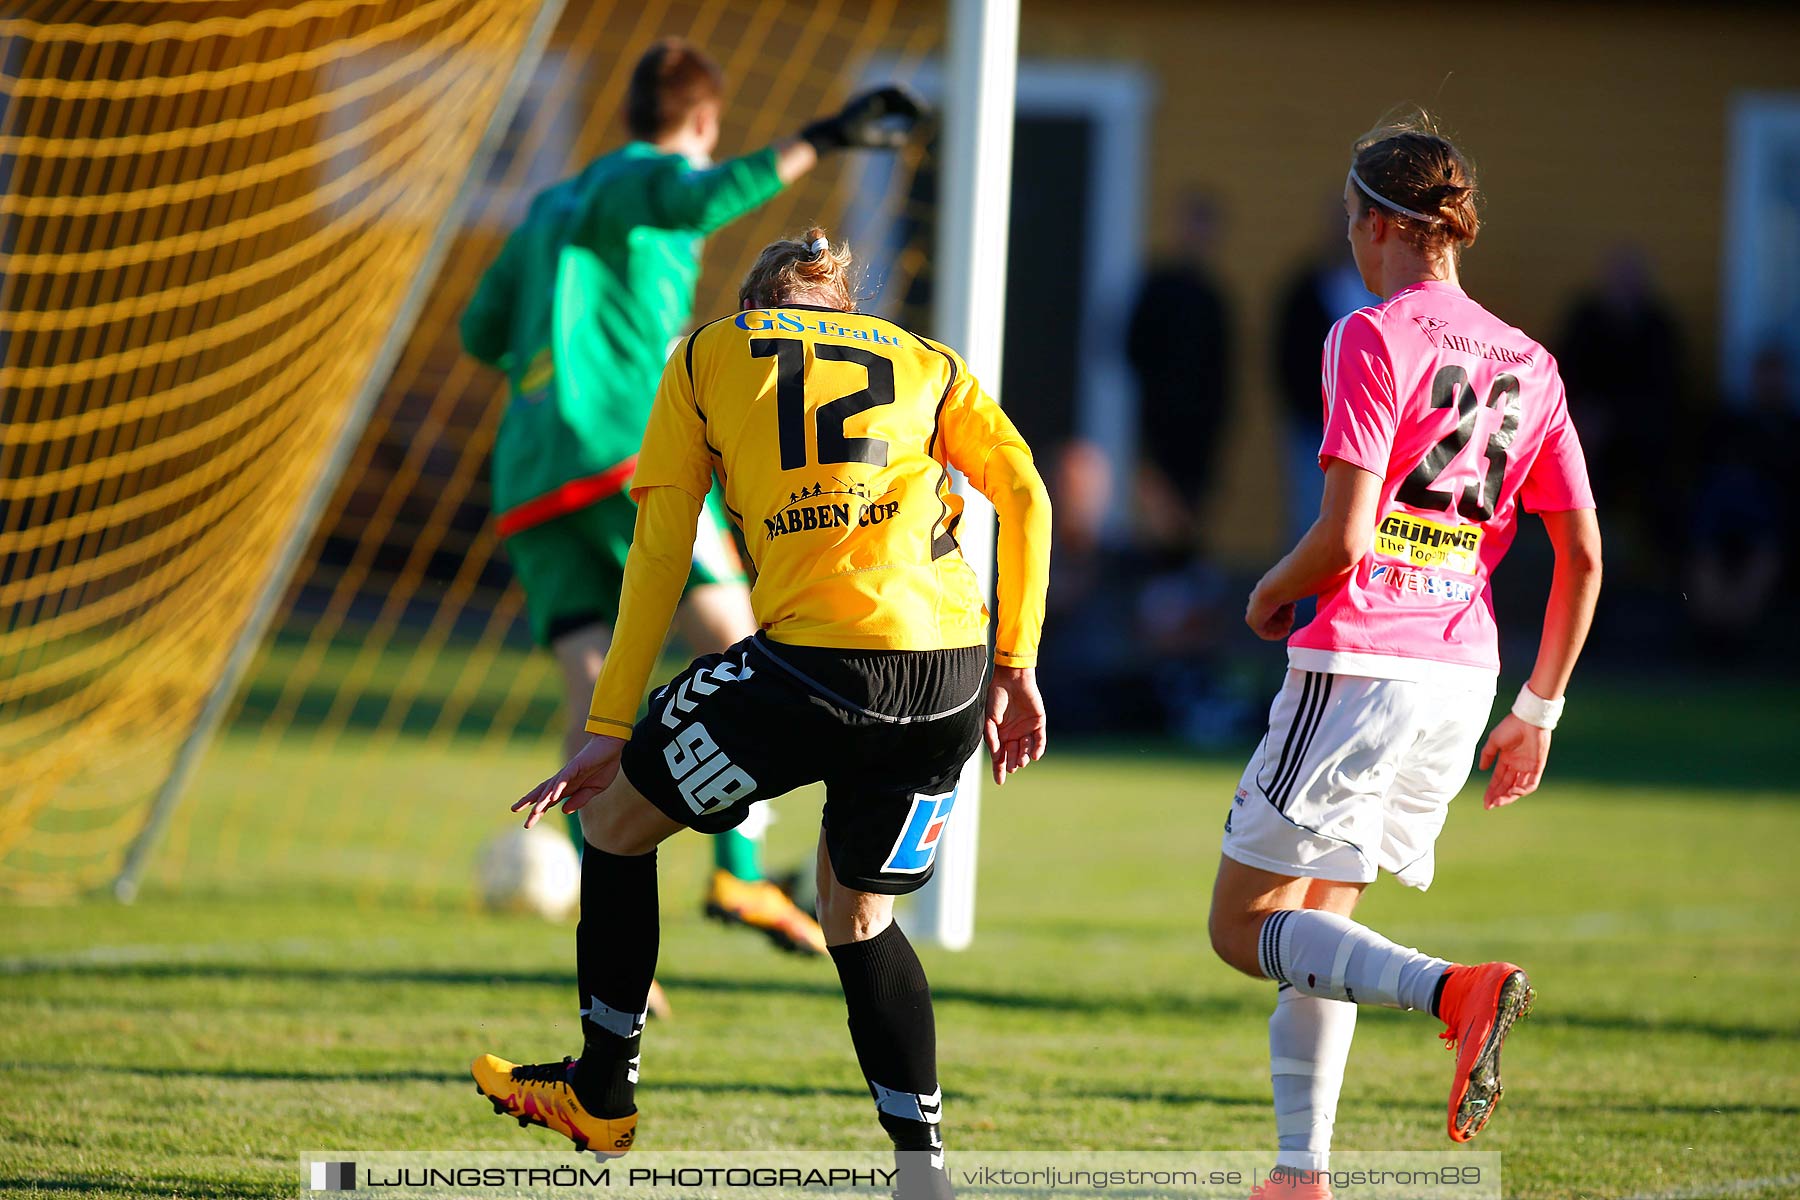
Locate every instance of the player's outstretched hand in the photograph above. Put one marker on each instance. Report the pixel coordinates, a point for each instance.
(1270, 621)
(1517, 751)
(1015, 730)
(594, 766)
(883, 119)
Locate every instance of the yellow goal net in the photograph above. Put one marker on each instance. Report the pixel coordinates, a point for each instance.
(234, 242)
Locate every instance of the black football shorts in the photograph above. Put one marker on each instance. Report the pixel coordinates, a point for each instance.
(886, 731)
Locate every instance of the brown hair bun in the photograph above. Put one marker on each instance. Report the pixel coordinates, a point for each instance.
(803, 270)
(1408, 163)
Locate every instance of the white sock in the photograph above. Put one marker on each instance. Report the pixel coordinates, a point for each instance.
(1323, 954)
(1309, 1042)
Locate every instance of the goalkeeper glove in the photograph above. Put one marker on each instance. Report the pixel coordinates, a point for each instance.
(884, 119)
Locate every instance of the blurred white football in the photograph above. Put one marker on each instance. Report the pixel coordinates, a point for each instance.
(530, 871)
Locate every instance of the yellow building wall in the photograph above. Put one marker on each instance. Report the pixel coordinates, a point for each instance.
(1588, 124)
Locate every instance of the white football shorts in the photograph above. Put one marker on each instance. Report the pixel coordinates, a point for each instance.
(1355, 776)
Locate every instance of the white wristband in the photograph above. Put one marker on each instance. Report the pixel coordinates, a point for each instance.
(1533, 709)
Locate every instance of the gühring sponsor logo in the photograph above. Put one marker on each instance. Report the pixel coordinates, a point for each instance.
(1411, 581)
(756, 320)
(816, 508)
(1422, 542)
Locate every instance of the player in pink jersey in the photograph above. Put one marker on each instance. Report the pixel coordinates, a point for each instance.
(1441, 421)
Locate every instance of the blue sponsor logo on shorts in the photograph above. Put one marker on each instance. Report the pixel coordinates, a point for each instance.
(917, 844)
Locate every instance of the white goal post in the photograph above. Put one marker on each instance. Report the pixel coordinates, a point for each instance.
(969, 295)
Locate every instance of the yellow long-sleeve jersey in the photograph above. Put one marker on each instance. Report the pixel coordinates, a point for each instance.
(832, 434)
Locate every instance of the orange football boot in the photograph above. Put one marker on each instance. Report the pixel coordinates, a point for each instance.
(1479, 1005)
(541, 1094)
(766, 908)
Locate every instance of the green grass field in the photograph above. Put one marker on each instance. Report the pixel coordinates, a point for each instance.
(196, 1043)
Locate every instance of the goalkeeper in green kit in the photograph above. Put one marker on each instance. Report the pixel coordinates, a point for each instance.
(580, 310)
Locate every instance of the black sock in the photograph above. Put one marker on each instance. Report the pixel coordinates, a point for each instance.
(892, 1027)
(615, 960)
(1437, 994)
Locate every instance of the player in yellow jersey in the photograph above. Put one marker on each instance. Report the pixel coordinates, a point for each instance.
(832, 434)
(579, 310)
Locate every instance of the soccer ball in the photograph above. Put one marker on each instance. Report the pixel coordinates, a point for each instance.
(530, 871)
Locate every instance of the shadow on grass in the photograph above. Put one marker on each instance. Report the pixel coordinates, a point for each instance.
(726, 1088)
(1716, 1030)
(1139, 1004)
(457, 1078)
(1680, 1110)
(1183, 1099)
(1088, 1004)
(160, 1186)
(248, 1074)
(1612, 1023)
(1181, 1005)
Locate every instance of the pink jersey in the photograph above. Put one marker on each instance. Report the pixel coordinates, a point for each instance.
(1464, 418)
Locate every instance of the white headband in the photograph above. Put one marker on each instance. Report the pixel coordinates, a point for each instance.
(817, 247)
(1382, 200)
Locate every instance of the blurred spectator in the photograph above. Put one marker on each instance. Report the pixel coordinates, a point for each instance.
(1132, 632)
(1090, 668)
(1179, 344)
(1743, 513)
(1183, 617)
(1324, 289)
(1620, 354)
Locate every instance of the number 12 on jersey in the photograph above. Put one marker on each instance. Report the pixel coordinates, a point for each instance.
(790, 403)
